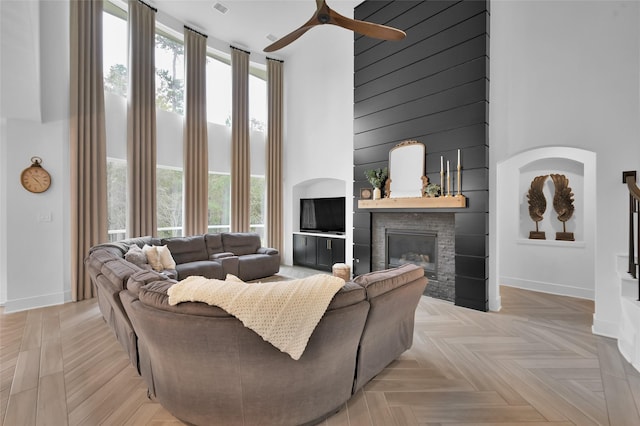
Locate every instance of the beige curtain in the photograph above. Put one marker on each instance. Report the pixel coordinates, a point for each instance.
(274, 153)
(141, 121)
(240, 164)
(196, 164)
(87, 141)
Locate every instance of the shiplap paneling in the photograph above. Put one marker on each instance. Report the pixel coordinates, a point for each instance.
(432, 87)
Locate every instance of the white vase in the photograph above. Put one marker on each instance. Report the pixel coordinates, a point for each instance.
(376, 194)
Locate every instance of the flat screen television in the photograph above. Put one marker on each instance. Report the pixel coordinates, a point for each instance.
(322, 214)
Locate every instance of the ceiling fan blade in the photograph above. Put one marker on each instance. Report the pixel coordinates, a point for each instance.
(289, 38)
(368, 29)
(295, 34)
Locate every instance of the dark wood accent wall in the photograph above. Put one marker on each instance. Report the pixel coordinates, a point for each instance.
(433, 87)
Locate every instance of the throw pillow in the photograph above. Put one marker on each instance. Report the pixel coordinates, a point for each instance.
(165, 257)
(136, 256)
(153, 257)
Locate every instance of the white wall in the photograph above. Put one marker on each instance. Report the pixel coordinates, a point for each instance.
(318, 141)
(566, 74)
(35, 227)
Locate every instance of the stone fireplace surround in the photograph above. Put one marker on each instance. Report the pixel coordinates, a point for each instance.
(441, 223)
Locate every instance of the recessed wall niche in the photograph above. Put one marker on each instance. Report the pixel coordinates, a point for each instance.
(574, 171)
(551, 266)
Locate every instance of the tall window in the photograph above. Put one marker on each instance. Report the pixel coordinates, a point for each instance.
(169, 73)
(258, 114)
(169, 110)
(115, 86)
(169, 192)
(114, 45)
(116, 198)
(219, 202)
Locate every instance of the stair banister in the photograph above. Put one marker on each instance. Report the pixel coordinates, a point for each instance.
(629, 177)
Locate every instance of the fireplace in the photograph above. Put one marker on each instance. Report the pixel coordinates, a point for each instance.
(412, 246)
(437, 227)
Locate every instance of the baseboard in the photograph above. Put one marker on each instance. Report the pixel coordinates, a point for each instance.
(495, 304)
(550, 288)
(18, 305)
(605, 328)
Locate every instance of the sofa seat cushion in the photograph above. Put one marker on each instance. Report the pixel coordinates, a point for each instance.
(241, 243)
(186, 249)
(205, 268)
(380, 282)
(253, 266)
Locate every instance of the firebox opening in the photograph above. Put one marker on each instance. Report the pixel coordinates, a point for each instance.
(412, 246)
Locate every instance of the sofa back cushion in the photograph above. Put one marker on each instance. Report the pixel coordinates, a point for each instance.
(380, 282)
(154, 295)
(241, 243)
(213, 243)
(186, 249)
(122, 247)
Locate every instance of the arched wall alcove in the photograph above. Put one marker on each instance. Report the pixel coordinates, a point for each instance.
(318, 188)
(550, 266)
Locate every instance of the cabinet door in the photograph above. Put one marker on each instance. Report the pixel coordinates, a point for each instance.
(337, 251)
(324, 254)
(304, 250)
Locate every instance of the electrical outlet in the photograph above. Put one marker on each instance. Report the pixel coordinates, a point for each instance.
(44, 217)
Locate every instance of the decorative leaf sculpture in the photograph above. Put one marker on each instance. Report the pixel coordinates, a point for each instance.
(563, 198)
(537, 201)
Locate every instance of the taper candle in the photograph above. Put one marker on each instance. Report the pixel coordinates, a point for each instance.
(448, 180)
(458, 157)
(441, 164)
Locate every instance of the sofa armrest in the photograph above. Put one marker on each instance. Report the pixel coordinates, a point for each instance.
(380, 282)
(215, 256)
(267, 250)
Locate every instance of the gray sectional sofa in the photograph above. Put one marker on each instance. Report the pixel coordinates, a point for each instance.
(206, 368)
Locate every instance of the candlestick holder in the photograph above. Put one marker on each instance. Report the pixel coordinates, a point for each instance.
(459, 194)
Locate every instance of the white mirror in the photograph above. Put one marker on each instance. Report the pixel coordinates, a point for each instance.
(406, 169)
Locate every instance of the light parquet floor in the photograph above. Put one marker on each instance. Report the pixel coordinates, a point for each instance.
(534, 363)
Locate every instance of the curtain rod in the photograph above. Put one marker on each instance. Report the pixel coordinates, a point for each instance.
(196, 31)
(274, 59)
(148, 5)
(242, 50)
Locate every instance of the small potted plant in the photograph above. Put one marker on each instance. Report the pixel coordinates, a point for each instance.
(432, 190)
(377, 178)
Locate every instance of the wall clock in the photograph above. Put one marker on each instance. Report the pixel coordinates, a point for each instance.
(35, 178)
(366, 193)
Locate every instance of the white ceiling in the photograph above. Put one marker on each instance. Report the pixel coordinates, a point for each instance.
(247, 23)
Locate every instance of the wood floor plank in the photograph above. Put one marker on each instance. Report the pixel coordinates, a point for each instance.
(358, 410)
(519, 414)
(52, 402)
(21, 408)
(27, 371)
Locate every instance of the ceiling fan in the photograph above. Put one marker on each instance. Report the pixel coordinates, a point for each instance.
(325, 15)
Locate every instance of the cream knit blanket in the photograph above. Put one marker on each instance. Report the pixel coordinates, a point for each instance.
(283, 313)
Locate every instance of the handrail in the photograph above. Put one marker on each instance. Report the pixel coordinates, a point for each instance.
(634, 189)
(629, 177)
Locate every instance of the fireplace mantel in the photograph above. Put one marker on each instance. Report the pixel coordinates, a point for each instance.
(456, 201)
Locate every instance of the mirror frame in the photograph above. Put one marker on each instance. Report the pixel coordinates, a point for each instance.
(421, 173)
